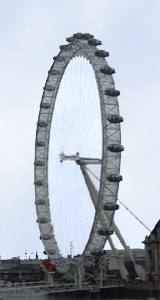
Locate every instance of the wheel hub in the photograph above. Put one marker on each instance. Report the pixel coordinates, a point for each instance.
(63, 157)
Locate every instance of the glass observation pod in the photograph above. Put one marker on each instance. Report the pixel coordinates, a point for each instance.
(115, 148)
(45, 237)
(70, 39)
(39, 163)
(42, 221)
(94, 42)
(59, 59)
(39, 182)
(54, 72)
(112, 92)
(102, 53)
(107, 70)
(40, 202)
(42, 124)
(49, 88)
(105, 231)
(98, 252)
(45, 105)
(115, 119)
(83, 36)
(40, 143)
(110, 206)
(65, 47)
(114, 178)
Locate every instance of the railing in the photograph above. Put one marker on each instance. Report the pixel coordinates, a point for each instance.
(21, 284)
(41, 288)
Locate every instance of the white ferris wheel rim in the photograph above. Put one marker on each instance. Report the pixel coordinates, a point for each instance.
(110, 135)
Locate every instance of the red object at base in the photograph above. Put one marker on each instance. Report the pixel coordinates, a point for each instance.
(49, 265)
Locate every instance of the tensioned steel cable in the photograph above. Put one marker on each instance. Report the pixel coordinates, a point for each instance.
(123, 204)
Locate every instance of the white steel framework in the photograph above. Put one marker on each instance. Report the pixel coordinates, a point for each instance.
(86, 46)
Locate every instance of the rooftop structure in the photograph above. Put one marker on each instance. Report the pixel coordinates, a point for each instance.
(152, 247)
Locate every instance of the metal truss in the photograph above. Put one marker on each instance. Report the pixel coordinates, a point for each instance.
(85, 46)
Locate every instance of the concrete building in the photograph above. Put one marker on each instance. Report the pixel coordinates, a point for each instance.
(17, 270)
(152, 247)
(123, 258)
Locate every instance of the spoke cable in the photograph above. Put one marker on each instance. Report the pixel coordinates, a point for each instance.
(122, 203)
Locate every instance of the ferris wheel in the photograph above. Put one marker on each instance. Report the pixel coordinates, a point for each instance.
(78, 134)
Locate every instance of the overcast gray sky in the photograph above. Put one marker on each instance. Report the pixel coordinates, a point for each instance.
(31, 32)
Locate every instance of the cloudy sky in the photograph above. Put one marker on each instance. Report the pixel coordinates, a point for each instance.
(31, 32)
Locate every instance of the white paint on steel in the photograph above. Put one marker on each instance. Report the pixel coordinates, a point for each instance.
(110, 160)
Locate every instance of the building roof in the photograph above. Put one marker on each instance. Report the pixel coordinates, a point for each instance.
(154, 235)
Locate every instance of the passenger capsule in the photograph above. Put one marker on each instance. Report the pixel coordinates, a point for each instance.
(110, 206)
(49, 88)
(40, 143)
(98, 252)
(42, 221)
(77, 35)
(42, 124)
(115, 148)
(115, 119)
(39, 183)
(102, 53)
(114, 178)
(45, 105)
(112, 92)
(40, 202)
(45, 237)
(55, 72)
(94, 42)
(66, 47)
(107, 70)
(59, 59)
(70, 39)
(87, 36)
(82, 36)
(105, 231)
(39, 163)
